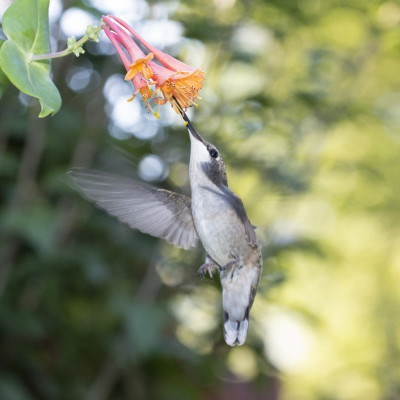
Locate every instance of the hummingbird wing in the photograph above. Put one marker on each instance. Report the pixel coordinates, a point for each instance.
(238, 206)
(158, 212)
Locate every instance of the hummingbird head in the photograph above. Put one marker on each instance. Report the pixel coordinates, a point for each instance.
(205, 159)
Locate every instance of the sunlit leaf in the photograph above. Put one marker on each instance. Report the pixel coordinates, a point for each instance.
(26, 25)
(3, 78)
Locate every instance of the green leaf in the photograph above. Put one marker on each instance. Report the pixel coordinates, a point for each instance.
(3, 77)
(26, 24)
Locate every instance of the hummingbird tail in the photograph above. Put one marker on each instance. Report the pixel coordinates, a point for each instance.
(239, 285)
(235, 332)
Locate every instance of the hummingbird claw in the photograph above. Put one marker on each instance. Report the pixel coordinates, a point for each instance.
(206, 267)
(237, 262)
(228, 265)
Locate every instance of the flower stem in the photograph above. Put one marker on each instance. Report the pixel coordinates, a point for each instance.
(50, 55)
(68, 50)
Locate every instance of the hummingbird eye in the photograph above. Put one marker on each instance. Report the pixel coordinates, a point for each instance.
(213, 153)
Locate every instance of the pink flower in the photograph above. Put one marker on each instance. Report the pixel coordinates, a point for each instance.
(174, 81)
(139, 81)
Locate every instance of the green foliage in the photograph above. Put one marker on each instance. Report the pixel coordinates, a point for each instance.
(302, 99)
(3, 77)
(26, 25)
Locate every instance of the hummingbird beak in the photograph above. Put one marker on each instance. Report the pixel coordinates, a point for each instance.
(189, 124)
(192, 129)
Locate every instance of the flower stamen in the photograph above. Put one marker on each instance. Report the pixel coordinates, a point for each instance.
(174, 81)
(141, 65)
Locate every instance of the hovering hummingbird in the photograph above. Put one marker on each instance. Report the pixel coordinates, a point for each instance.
(213, 214)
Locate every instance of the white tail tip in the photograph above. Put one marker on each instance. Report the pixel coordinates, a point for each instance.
(235, 332)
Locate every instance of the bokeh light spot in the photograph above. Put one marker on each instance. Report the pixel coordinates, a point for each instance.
(242, 361)
(288, 341)
(152, 168)
(74, 21)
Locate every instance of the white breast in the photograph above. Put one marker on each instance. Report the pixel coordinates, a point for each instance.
(212, 220)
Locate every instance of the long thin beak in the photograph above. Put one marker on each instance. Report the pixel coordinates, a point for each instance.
(189, 124)
(192, 129)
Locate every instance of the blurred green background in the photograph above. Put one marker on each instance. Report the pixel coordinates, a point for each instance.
(303, 100)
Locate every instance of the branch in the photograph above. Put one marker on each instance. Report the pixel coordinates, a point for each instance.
(92, 33)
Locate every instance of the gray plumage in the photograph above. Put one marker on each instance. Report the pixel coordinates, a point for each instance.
(151, 210)
(214, 214)
(227, 235)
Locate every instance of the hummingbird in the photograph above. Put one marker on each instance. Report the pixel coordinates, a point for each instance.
(214, 215)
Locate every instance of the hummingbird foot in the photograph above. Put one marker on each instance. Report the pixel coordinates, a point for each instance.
(209, 267)
(228, 265)
(236, 262)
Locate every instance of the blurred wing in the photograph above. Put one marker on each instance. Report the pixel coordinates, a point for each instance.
(158, 212)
